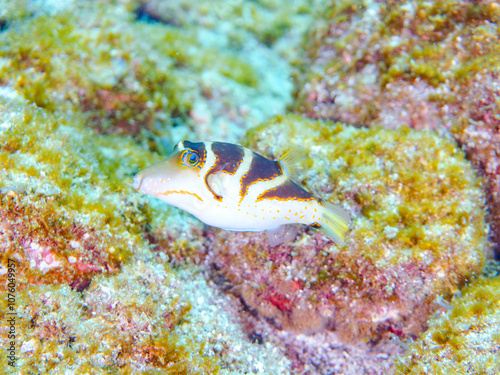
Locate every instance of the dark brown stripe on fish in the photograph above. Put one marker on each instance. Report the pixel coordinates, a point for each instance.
(261, 169)
(287, 191)
(199, 148)
(228, 157)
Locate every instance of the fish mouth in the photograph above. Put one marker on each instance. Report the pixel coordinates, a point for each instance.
(137, 181)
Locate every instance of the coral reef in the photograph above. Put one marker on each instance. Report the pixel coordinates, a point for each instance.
(154, 81)
(394, 63)
(423, 64)
(58, 220)
(71, 222)
(138, 321)
(418, 233)
(111, 281)
(90, 93)
(465, 339)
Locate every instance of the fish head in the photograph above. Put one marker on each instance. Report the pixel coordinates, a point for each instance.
(177, 179)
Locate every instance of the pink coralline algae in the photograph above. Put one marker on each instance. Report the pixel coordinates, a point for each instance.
(51, 247)
(417, 233)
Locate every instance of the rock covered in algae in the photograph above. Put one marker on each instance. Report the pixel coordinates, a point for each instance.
(423, 64)
(59, 219)
(89, 94)
(72, 224)
(418, 232)
(481, 141)
(463, 340)
(68, 213)
(131, 76)
(146, 319)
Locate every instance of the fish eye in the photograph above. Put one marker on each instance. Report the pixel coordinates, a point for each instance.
(190, 159)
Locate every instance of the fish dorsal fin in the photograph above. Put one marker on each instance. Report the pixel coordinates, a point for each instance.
(291, 161)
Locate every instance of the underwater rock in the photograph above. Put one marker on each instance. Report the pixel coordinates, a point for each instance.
(462, 339)
(417, 233)
(57, 220)
(400, 63)
(71, 100)
(91, 295)
(144, 319)
(481, 141)
(411, 63)
(153, 81)
(90, 93)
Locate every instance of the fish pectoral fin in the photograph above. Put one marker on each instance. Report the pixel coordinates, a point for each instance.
(283, 233)
(216, 183)
(199, 204)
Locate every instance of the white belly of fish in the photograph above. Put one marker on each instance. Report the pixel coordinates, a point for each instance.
(257, 216)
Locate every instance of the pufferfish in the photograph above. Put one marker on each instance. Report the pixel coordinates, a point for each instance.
(231, 187)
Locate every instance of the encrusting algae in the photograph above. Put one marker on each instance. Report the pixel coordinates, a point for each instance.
(130, 76)
(67, 217)
(93, 92)
(422, 64)
(418, 233)
(465, 339)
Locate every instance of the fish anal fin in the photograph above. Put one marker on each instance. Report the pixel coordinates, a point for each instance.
(283, 233)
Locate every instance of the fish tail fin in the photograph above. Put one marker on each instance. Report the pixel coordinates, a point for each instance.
(335, 222)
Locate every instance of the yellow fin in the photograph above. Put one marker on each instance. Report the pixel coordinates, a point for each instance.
(290, 161)
(335, 222)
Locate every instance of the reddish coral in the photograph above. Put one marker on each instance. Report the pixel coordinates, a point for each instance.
(109, 111)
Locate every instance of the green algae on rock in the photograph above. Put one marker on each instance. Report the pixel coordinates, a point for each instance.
(463, 340)
(115, 322)
(70, 218)
(68, 213)
(423, 64)
(133, 77)
(138, 321)
(418, 232)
